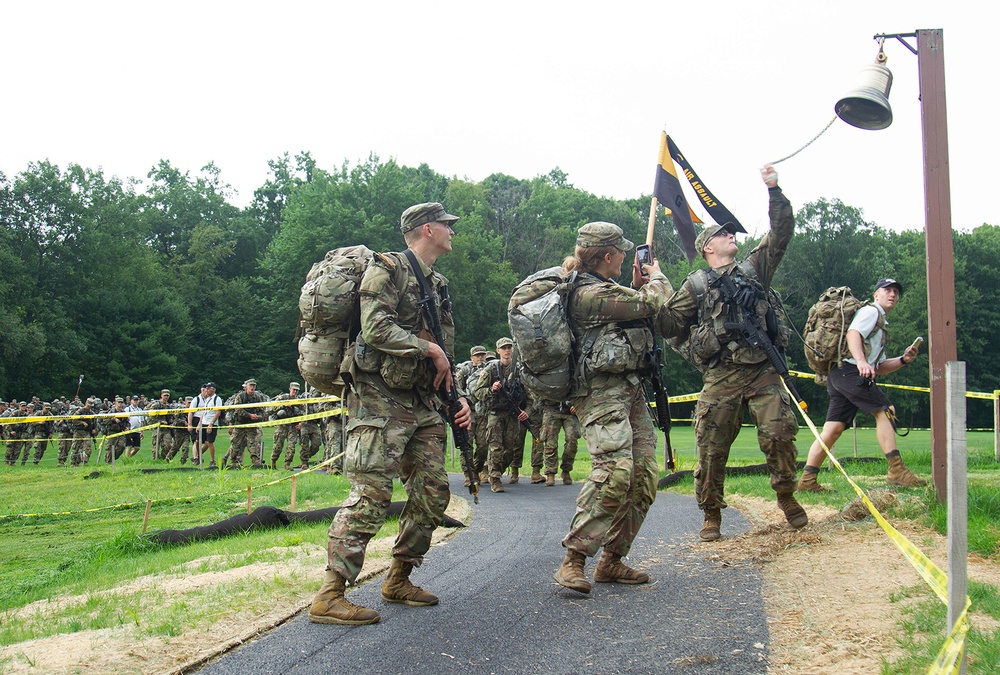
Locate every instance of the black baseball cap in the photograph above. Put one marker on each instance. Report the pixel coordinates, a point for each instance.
(885, 283)
(209, 385)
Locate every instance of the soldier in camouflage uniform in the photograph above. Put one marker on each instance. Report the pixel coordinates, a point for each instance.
(466, 376)
(163, 434)
(333, 433)
(309, 433)
(63, 430)
(42, 432)
(246, 437)
(15, 433)
(613, 339)
(506, 404)
(182, 439)
(83, 432)
(737, 376)
(114, 429)
(286, 432)
(559, 417)
(395, 428)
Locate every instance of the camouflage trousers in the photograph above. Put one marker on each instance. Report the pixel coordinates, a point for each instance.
(389, 436)
(81, 447)
(182, 445)
(114, 446)
(728, 392)
(245, 439)
(41, 446)
(333, 437)
(64, 442)
(616, 497)
(311, 439)
(163, 439)
(554, 421)
(480, 443)
(505, 439)
(14, 448)
(283, 433)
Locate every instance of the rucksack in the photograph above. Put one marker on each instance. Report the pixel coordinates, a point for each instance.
(543, 339)
(825, 333)
(330, 315)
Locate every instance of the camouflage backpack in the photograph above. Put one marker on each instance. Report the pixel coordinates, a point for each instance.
(329, 315)
(543, 339)
(825, 333)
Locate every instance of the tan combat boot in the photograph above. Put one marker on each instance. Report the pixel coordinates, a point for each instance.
(274, 464)
(611, 570)
(536, 475)
(514, 476)
(496, 485)
(809, 483)
(397, 587)
(900, 476)
(794, 513)
(712, 529)
(288, 466)
(550, 479)
(570, 574)
(330, 605)
(567, 479)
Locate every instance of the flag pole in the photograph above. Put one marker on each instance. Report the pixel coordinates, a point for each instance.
(652, 221)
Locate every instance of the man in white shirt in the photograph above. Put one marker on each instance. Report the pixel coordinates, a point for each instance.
(201, 423)
(852, 388)
(133, 438)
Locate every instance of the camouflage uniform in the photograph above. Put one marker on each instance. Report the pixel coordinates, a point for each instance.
(394, 427)
(163, 437)
(182, 439)
(15, 434)
(83, 432)
(246, 437)
(309, 434)
(612, 341)
(286, 432)
(466, 376)
(63, 430)
(333, 434)
(504, 433)
(113, 426)
(738, 377)
(42, 432)
(557, 417)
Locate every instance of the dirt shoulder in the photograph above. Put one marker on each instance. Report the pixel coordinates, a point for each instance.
(827, 593)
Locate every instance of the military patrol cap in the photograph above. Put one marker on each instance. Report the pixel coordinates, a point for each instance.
(294, 385)
(46, 405)
(477, 350)
(428, 212)
(708, 233)
(31, 405)
(250, 381)
(885, 283)
(603, 234)
(119, 399)
(504, 342)
(164, 391)
(490, 355)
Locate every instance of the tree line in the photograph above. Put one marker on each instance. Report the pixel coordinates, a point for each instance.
(165, 283)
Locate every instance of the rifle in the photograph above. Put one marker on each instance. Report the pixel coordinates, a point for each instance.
(513, 394)
(461, 436)
(662, 417)
(746, 322)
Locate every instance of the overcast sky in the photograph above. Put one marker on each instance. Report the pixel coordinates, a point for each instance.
(474, 88)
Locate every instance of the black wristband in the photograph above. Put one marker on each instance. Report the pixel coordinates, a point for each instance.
(904, 361)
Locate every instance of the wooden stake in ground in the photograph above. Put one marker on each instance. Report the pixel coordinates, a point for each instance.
(249, 499)
(145, 518)
(294, 478)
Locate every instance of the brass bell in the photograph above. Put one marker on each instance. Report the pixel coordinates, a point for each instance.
(867, 106)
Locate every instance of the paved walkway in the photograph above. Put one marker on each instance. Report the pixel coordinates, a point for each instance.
(501, 612)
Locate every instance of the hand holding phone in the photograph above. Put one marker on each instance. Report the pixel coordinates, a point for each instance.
(916, 343)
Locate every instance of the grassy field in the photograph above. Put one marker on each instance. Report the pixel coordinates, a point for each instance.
(82, 536)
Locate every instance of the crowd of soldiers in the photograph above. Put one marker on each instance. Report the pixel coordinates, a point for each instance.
(504, 413)
(118, 426)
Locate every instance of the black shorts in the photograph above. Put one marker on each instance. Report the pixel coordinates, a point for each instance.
(850, 393)
(205, 434)
(132, 439)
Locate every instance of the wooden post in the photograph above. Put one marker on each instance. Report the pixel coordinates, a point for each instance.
(855, 437)
(249, 500)
(996, 425)
(294, 479)
(958, 506)
(145, 518)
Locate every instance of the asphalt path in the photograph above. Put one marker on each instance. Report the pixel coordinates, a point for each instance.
(501, 611)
